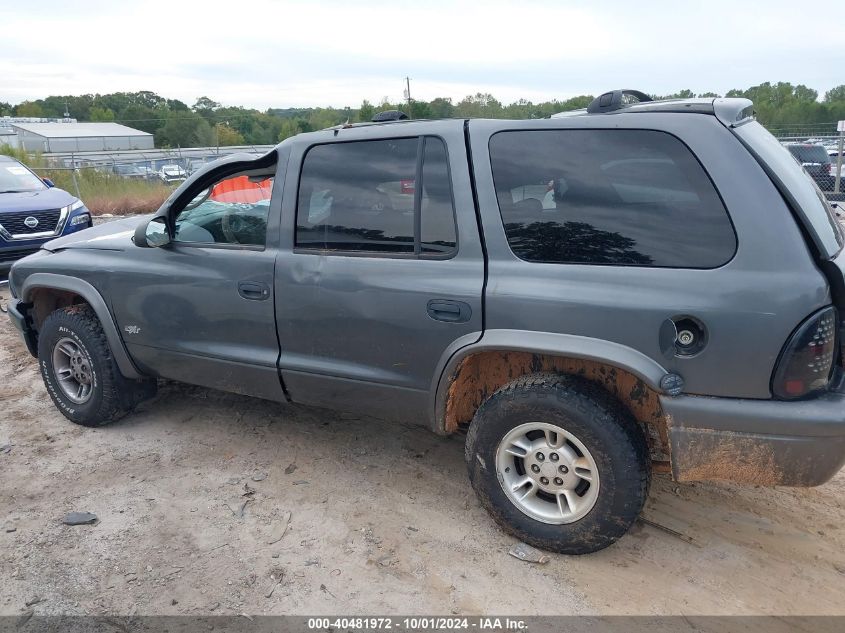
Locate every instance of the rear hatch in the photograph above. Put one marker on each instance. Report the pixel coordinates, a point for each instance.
(812, 210)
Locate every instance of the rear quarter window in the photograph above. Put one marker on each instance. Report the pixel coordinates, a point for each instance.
(611, 197)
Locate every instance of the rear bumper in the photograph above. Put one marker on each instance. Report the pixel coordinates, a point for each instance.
(761, 442)
(20, 321)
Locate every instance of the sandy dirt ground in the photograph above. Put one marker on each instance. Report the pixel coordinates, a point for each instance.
(193, 492)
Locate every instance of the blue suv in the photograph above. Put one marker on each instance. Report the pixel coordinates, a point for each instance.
(33, 211)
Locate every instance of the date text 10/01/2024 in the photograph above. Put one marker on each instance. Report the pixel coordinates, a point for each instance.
(417, 623)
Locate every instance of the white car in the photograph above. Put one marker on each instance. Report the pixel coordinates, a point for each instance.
(172, 173)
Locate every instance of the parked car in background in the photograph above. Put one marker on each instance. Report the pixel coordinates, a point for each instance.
(129, 171)
(195, 165)
(834, 157)
(172, 173)
(33, 211)
(148, 172)
(815, 160)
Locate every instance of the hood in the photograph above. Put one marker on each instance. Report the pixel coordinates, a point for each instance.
(35, 200)
(114, 236)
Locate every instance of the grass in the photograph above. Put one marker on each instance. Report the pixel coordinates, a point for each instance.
(102, 193)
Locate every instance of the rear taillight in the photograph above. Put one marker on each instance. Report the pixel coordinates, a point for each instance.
(829, 169)
(806, 362)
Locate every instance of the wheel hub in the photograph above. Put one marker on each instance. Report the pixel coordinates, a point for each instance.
(547, 473)
(72, 370)
(544, 472)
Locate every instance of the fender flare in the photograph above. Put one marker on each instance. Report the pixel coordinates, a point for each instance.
(97, 303)
(567, 345)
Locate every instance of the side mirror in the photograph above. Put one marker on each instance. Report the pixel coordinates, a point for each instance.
(50, 184)
(154, 233)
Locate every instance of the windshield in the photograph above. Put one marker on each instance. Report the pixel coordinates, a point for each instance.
(14, 178)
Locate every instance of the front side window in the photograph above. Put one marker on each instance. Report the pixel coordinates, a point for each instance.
(363, 196)
(616, 197)
(231, 211)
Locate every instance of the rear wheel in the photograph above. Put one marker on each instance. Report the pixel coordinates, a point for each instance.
(558, 463)
(80, 372)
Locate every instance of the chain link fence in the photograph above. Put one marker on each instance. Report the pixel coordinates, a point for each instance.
(819, 148)
(127, 181)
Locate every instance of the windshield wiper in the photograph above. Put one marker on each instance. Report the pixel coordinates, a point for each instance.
(17, 190)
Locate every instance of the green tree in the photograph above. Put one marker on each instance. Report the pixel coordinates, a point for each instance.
(366, 111)
(176, 105)
(291, 127)
(101, 114)
(142, 118)
(29, 108)
(835, 94)
(228, 136)
(185, 129)
(441, 108)
(482, 105)
(204, 104)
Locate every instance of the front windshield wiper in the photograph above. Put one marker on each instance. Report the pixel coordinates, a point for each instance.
(17, 190)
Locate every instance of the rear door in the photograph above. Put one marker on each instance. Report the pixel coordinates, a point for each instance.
(381, 268)
(634, 227)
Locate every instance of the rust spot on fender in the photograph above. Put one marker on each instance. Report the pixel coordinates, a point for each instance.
(479, 375)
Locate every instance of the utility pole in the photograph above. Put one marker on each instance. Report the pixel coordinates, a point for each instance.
(837, 184)
(408, 96)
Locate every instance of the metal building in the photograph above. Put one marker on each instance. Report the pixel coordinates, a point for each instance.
(79, 137)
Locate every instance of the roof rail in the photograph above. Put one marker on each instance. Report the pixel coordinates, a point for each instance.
(615, 100)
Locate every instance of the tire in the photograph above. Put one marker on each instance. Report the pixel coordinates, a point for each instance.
(596, 438)
(71, 342)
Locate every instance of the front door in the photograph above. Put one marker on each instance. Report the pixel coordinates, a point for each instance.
(200, 310)
(378, 279)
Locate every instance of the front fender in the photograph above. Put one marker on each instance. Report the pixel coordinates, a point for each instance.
(88, 292)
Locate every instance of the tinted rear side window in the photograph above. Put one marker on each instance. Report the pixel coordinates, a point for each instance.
(363, 196)
(617, 197)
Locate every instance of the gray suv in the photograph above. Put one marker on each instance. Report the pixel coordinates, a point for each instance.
(643, 286)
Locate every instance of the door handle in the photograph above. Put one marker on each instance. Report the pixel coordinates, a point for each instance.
(449, 311)
(253, 290)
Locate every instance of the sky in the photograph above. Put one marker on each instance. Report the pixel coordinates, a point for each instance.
(265, 53)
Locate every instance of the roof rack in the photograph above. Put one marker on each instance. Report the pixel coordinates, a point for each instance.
(389, 115)
(615, 100)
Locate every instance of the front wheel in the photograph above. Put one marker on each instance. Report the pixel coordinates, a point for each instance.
(558, 463)
(80, 372)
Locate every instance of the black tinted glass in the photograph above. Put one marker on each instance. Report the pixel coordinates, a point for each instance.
(358, 196)
(623, 197)
(437, 215)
